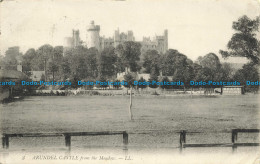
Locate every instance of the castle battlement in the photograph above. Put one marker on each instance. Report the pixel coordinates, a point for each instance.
(159, 43)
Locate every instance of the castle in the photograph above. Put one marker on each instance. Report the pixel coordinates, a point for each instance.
(72, 42)
(159, 43)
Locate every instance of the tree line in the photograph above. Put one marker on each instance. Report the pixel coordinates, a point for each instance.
(89, 64)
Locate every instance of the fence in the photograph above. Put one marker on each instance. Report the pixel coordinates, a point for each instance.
(183, 135)
(5, 138)
(233, 143)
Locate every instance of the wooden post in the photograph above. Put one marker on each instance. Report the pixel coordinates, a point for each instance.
(3, 142)
(125, 141)
(7, 142)
(11, 92)
(125, 138)
(182, 139)
(68, 141)
(234, 139)
(130, 105)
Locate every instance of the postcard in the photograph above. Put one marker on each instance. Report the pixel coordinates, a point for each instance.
(129, 81)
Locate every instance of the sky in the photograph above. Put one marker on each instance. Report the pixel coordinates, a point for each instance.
(195, 27)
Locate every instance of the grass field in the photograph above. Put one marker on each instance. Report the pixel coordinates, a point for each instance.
(157, 116)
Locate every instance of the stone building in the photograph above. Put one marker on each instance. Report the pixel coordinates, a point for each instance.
(106, 42)
(159, 43)
(122, 37)
(72, 42)
(93, 39)
(118, 38)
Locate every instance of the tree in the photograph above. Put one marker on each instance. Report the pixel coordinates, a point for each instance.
(65, 68)
(181, 67)
(129, 78)
(117, 86)
(177, 65)
(129, 55)
(167, 62)
(55, 60)
(153, 78)
(196, 70)
(42, 77)
(103, 84)
(165, 80)
(247, 73)
(106, 62)
(12, 58)
(141, 80)
(210, 67)
(187, 75)
(244, 42)
(53, 67)
(151, 61)
(44, 54)
(174, 63)
(226, 72)
(1, 60)
(91, 62)
(27, 61)
(74, 81)
(58, 53)
(210, 60)
(79, 64)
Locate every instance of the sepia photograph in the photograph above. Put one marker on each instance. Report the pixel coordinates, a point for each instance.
(129, 81)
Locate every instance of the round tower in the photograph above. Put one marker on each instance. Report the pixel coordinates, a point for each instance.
(93, 35)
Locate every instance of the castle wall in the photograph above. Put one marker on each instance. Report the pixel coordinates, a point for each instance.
(106, 42)
(159, 43)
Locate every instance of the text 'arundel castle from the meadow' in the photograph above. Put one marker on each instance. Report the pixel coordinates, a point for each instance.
(159, 43)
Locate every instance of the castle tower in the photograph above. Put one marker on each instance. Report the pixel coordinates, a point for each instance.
(130, 36)
(165, 40)
(93, 36)
(76, 39)
(72, 42)
(116, 38)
